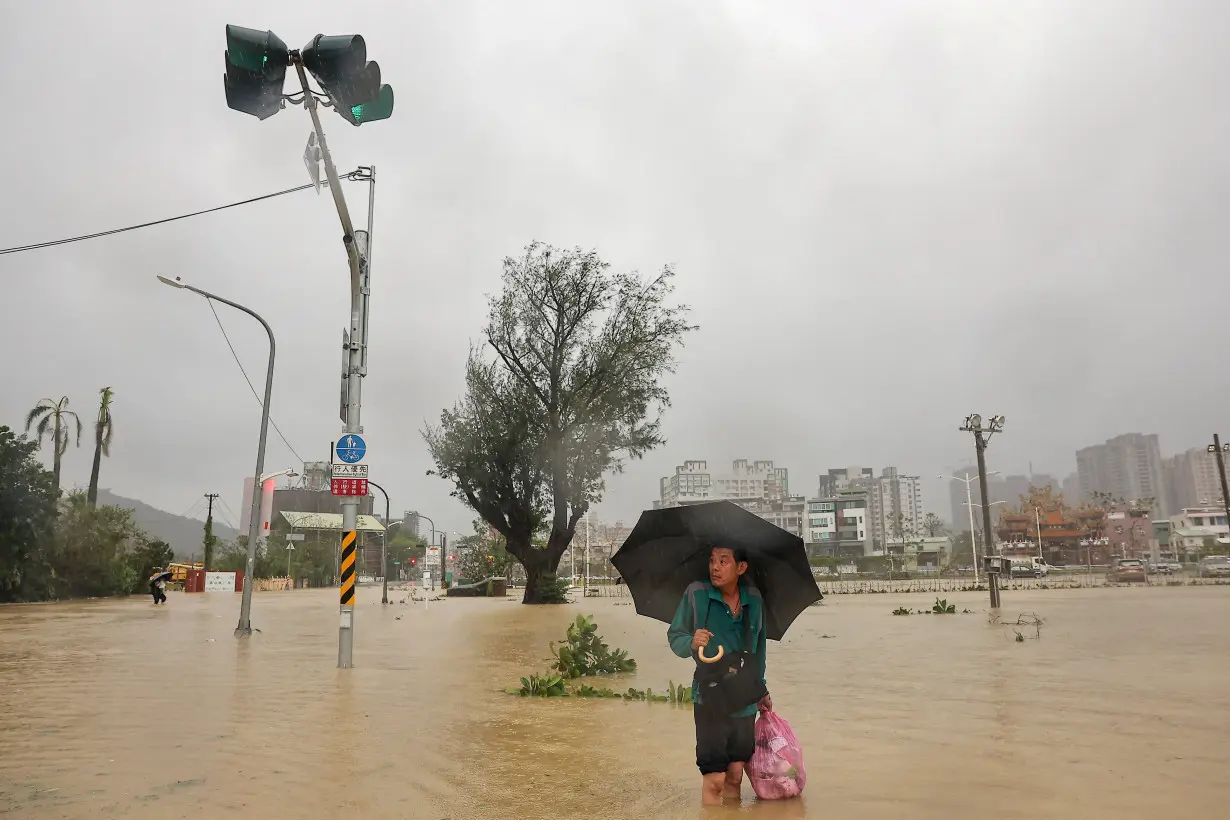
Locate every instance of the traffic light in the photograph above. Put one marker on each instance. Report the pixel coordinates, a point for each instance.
(443, 542)
(256, 64)
(339, 63)
(413, 561)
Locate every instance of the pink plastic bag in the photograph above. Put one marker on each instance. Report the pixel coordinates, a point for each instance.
(776, 768)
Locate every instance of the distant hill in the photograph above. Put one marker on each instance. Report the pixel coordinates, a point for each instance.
(185, 535)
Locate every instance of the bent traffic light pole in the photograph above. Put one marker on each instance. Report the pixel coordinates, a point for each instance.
(256, 63)
(357, 336)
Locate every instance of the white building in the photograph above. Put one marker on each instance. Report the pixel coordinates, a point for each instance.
(757, 486)
(747, 481)
(838, 525)
(890, 495)
(1190, 529)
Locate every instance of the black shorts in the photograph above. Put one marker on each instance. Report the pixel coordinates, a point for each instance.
(722, 740)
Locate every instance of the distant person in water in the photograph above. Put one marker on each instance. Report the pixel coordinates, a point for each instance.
(157, 588)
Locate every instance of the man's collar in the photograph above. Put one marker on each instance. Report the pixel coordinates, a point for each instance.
(716, 594)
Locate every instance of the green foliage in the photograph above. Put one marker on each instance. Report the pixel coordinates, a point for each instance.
(942, 607)
(552, 590)
(933, 526)
(27, 512)
(572, 391)
(583, 652)
(102, 440)
(481, 555)
(54, 422)
(541, 686)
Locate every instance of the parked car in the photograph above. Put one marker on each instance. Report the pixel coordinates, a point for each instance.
(1126, 570)
(1160, 568)
(1215, 566)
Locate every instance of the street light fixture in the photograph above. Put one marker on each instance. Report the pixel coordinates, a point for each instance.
(969, 503)
(244, 628)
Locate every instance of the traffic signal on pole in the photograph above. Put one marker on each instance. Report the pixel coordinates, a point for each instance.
(339, 63)
(256, 64)
(443, 542)
(413, 561)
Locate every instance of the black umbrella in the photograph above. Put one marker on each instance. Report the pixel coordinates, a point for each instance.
(669, 549)
(160, 576)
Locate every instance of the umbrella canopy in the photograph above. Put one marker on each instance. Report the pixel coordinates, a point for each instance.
(160, 576)
(669, 549)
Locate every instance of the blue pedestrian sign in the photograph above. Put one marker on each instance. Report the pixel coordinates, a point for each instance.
(351, 448)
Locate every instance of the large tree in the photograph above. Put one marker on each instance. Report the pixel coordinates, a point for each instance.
(567, 386)
(27, 511)
(54, 421)
(102, 440)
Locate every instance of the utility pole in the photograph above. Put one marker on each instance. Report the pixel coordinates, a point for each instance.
(209, 531)
(982, 435)
(256, 63)
(1219, 449)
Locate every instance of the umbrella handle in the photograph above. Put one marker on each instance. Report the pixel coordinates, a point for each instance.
(700, 653)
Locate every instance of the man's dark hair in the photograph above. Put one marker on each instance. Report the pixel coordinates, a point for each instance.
(739, 552)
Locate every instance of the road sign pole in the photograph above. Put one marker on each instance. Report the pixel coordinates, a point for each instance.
(350, 504)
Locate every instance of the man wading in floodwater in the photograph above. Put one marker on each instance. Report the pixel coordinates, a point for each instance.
(723, 616)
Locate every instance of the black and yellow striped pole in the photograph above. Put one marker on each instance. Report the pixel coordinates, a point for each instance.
(349, 538)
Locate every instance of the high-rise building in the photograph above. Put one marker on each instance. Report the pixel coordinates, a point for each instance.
(1192, 479)
(892, 495)
(1127, 467)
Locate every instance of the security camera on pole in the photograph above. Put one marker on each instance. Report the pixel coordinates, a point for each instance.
(982, 435)
(256, 63)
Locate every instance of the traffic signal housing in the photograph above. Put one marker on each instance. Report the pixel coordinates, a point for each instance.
(256, 63)
(339, 63)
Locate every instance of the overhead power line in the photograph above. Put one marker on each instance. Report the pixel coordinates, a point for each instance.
(218, 319)
(39, 245)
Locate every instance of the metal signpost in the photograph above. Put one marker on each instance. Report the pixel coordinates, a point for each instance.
(256, 66)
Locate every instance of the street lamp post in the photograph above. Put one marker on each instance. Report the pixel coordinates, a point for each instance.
(244, 628)
(982, 435)
(384, 544)
(969, 504)
(432, 543)
(1218, 449)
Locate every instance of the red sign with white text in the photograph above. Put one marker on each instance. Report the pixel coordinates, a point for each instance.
(349, 486)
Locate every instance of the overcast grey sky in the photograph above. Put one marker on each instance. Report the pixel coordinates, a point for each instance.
(886, 215)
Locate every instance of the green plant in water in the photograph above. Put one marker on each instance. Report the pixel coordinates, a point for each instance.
(552, 590)
(902, 611)
(584, 654)
(541, 686)
(942, 607)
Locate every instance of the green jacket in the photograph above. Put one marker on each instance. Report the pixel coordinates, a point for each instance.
(727, 630)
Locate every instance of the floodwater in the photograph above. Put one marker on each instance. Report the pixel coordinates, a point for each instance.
(121, 709)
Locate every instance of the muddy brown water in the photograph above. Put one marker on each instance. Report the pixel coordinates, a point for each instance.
(121, 709)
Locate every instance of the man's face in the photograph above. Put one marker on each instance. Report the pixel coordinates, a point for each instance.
(724, 570)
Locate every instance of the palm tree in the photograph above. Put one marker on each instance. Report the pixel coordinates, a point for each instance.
(53, 419)
(102, 441)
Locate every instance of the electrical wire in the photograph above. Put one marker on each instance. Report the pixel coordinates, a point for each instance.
(229, 518)
(38, 245)
(218, 319)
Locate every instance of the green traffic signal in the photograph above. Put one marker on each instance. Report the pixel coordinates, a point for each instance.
(378, 109)
(339, 63)
(256, 64)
